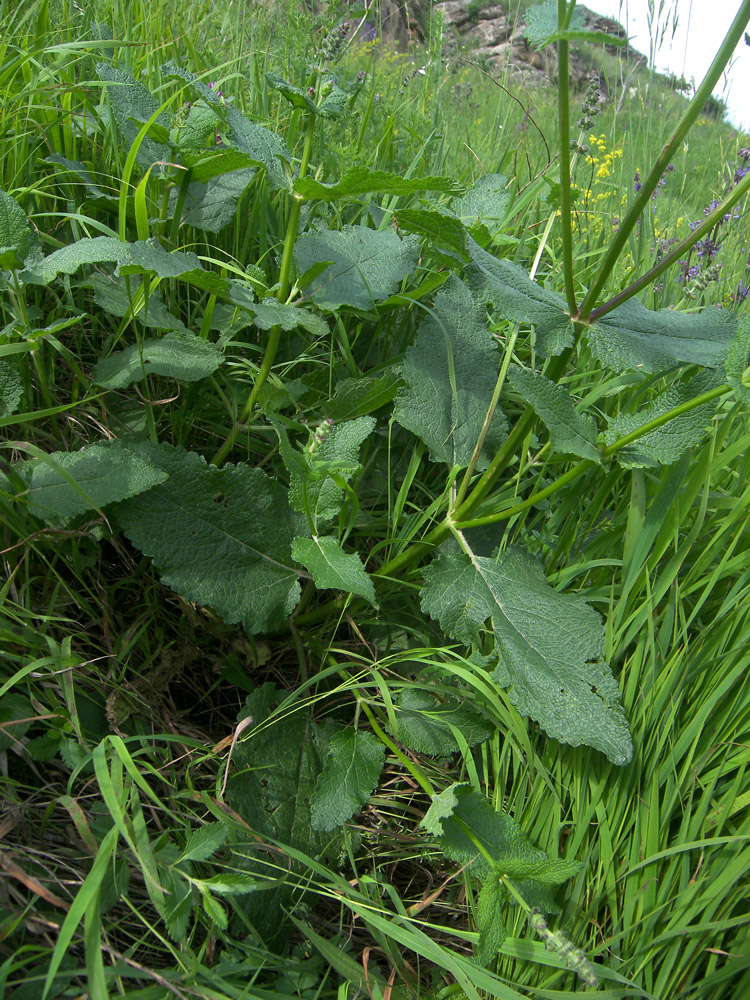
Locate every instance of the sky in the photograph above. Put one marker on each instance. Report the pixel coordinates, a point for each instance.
(689, 50)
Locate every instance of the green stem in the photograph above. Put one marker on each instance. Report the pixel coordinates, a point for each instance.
(612, 449)
(563, 109)
(274, 335)
(697, 234)
(670, 149)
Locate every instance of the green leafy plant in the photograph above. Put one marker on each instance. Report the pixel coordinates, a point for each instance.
(375, 431)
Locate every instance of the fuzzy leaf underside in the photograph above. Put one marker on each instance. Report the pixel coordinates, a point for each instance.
(350, 774)
(365, 267)
(516, 297)
(668, 443)
(634, 337)
(570, 431)
(221, 537)
(178, 355)
(104, 473)
(450, 374)
(363, 180)
(332, 568)
(551, 645)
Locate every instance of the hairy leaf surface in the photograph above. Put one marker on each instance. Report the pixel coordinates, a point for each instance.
(569, 431)
(180, 355)
(132, 104)
(332, 568)
(633, 336)
(426, 722)
(260, 145)
(366, 265)
(103, 473)
(350, 774)
(738, 361)
(11, 387)
(15, 233)
(668, 443)
(516, 297)
(363, 180)
(492, 845)
(221, 537)
(450, 375)
(551, 645)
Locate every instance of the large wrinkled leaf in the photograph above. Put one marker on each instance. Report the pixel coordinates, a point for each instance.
(516, 297)
(426, 722)
(492, 907)
(262, 146)
(669, 442)
(313, 473)
(551, 645)
(277, 771)
(192, 132)
(365, 265)
(100, 474)
(143, 257)
(121, 298)
(434, 225)
(634, 337)
(493, 845)
(179, 355)
(332, 568)
(15, 234)
(132, 105)
(737, 365)
(569, 431)
(541, 28)
(270, 312)
(486, 203)
(450, 375)
(363, 180)
(11, 387)
(350, 774)
(221, 537)
(356, 397)
(213, 205)
(67, 260)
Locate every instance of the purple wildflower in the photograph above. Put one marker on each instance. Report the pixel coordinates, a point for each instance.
(742, 292)
(637, 182)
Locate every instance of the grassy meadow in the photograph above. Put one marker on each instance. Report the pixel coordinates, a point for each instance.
(374, 514)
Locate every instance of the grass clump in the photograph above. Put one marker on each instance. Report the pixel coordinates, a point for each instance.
(374, 519)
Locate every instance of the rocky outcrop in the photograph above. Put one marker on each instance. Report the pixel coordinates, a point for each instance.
(484, 31)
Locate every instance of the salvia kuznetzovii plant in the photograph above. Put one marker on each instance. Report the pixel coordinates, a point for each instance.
(285, 537)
